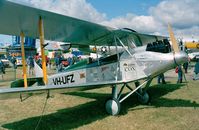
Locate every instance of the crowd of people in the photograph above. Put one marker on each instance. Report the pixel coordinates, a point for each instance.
(58, 61)
(62, 63)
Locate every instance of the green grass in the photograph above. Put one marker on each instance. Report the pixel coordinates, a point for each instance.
(173, 106)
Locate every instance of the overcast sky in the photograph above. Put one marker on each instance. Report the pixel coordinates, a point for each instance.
(146, 16)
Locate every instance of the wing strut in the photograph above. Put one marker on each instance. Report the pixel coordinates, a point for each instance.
(23, 60)
(41, 36)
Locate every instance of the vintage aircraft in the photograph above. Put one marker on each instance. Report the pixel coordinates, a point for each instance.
(192, 48)
(191, 45)
(143, 56)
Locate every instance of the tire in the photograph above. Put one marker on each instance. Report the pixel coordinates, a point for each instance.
(112, 106)
(143, 98)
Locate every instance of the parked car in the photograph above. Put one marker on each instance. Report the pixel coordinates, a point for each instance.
(6, 62)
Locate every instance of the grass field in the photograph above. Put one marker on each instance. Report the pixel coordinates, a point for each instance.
(173, 106)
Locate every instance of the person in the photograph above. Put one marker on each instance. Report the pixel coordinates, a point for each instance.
(161, 78)
(74, 59)
(36, 57)
(50, 63)
(2, 68)
(58, 63)
(14, 61)
(70, 60)
(47, 60)
(179, 71)
(78, 58)
(185, 66)
(90, 60)
(196, 71)
(30, 63)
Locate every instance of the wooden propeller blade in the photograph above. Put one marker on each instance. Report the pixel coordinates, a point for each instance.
(173, 40)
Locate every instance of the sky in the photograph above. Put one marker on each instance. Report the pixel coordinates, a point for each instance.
(145, 16)
(114, 8)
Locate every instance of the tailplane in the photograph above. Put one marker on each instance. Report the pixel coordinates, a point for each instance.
(37, 80)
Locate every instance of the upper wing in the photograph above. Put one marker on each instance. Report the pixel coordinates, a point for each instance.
(16, 18)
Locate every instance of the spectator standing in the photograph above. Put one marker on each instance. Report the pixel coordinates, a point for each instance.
(2, 68)
(161, 78)
(196, 71)
(14, 61)
(30, 63)
(58, 64)
(179, 71)
(50, 63)
(70, 60)
(36, 57)
(185, 66)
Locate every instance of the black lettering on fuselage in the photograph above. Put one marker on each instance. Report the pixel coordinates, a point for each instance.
(127, 69)
(64, 80)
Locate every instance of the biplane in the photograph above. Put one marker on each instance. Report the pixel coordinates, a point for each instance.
(142, 56)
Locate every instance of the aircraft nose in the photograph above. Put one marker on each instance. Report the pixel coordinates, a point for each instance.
(180, 57)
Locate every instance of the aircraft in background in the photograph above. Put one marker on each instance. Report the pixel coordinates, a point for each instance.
(192, 49)
(191, 45)
(142, 57)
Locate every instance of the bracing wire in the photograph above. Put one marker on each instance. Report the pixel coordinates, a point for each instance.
(43, 110)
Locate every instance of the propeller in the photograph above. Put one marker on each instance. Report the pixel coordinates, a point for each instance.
(173, 40)
(176, 48)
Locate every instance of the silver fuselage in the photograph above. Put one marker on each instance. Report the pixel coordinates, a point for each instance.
(139, 65)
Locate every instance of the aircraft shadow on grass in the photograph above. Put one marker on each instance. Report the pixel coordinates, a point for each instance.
(70, 118)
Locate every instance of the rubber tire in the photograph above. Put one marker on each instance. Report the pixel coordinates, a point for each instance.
(112, 106)
(144, 99)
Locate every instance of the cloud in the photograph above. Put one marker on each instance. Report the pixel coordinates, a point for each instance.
(183, 15)
(74, 8)
(180, 13)
(141, 23)
(188, 33)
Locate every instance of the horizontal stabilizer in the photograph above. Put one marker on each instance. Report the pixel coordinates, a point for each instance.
(31, 81)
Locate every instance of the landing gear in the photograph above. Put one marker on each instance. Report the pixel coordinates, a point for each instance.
(113, 104)
(143, 98)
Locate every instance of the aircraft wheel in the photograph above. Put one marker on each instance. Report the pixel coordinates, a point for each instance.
(144, 98)
(112, 106)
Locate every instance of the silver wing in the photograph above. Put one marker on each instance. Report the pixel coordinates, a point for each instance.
(16, 18)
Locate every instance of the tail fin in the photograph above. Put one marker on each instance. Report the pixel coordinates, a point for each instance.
(38, 70)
